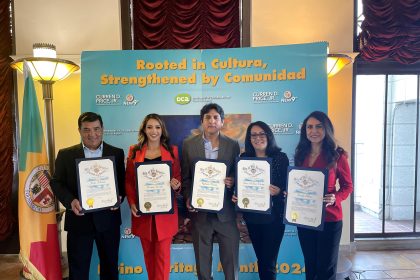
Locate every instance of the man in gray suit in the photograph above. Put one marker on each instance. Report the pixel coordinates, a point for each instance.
(212, 145)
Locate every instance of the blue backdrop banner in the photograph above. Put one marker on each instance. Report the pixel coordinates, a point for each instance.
(279, 85)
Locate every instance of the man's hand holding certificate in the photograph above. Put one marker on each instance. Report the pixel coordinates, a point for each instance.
(97, 184)
(208, 190)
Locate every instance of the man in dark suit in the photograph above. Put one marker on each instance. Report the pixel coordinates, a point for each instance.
(102, 226)
(212, 145)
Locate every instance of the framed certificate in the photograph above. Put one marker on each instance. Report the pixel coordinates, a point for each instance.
(154, 192)
(97, 183)
(306, 188)
(208, 190)
(253, 177)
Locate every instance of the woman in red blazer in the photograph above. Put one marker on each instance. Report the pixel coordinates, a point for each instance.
(318, 148)
(155, 231)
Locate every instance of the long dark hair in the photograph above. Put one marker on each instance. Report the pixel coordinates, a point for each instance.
(142, 137)
(272, 147)
(330, 149)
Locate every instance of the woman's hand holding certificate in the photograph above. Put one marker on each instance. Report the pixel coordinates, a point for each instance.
(305, 197)
(154, 187)
(253, 184)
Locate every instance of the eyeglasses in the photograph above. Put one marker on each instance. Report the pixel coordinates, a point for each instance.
(258, 135)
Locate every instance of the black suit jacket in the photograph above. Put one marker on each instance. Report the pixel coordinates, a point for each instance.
(64, 186)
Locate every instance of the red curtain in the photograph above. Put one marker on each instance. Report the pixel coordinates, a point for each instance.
(186, 24)
(6, 123)
(391, 30)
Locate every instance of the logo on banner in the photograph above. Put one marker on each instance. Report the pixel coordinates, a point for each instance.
(282, 128)
(108, 99)
(127, 234)
(288, 97)
(38, 193)
(183, 99)
(130, 100)
(265, 97)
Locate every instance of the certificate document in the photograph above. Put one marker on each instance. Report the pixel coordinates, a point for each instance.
(305, 192)
(97, 183)
(154, 191)
(208, 191)
(252, 184)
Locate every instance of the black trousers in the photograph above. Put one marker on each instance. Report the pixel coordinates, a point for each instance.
(266, 240)
(79, 251)
(320, 250)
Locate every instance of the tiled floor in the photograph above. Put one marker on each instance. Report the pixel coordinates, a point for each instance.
(386, 264)
(366, 223)
(366, 265)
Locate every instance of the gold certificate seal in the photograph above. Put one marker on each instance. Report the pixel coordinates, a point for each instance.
(89, 202)
(295, 216)
(245, 202)
(200, 202)
(147, 205)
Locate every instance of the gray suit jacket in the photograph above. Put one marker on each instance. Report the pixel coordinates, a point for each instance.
(192, 150)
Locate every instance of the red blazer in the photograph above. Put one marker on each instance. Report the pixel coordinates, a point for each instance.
(166, 224)
(334, 213)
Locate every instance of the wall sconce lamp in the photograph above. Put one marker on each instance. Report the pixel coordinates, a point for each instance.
(336, 62)
(46, 68)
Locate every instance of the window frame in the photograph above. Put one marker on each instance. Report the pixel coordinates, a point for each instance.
(385, 67)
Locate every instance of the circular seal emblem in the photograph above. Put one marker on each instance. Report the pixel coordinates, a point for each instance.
(200, 202)
(90, 202)
(38, 193)
(127, 231)
(287, 94)
(147, 205)
(245, 202)
(129, 97)
(295, 216)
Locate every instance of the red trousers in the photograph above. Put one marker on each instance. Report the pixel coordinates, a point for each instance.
(157, 256)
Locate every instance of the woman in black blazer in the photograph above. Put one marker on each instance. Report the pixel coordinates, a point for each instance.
(266, 230)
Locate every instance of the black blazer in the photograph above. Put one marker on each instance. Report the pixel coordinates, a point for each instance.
(64, 186)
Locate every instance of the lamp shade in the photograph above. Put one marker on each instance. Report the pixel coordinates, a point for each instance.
(44, 50)
(336, 62)
(47, 69)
